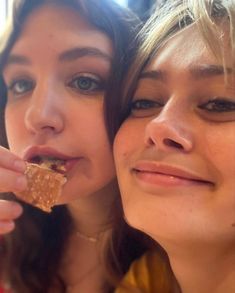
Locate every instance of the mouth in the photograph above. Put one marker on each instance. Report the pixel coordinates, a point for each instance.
(169, 177)
(53, 163)
(50, 158)
(157, 173)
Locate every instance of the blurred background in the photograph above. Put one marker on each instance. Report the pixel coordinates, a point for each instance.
(141, 7)
(4, 10)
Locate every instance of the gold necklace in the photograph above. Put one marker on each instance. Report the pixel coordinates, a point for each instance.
(93, 239)
(88, 238)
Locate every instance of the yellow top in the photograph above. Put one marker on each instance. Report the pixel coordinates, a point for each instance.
(149, 274)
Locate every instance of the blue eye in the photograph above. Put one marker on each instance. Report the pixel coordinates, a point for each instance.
(145, 108)
(21, 86)
(218, 105)
(143, 104)
(86, 84)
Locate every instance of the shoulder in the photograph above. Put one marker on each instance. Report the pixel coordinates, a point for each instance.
(146, 274)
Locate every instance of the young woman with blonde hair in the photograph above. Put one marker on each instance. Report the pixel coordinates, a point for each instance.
(174, 150)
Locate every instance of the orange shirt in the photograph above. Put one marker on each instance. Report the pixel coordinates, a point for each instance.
(149, 274)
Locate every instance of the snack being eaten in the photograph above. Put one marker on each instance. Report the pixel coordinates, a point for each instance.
(45, 181)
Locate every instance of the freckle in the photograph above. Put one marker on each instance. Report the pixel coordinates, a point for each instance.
(233, 225)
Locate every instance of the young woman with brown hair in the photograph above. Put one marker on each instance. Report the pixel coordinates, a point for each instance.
(60, 62)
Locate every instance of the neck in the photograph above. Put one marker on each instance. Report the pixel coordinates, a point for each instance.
(93, 214)
(82, 268)
(206, 270)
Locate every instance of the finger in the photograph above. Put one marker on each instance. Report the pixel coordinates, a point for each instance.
(6, 227)
(11, 181)
(9, 210)
(11, 161)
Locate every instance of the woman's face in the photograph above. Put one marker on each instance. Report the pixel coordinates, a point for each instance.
(56, 76)
(175, 152)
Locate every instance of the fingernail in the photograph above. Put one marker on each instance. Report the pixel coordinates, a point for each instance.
(21, 183)
(7, 226)
(19, 166)
(17, 210)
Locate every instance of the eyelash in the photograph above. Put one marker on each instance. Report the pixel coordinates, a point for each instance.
(95, 84)
(144, 104)
(218, 105)
(144, 107)
(12, 87)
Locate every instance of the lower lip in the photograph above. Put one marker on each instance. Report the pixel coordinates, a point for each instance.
(164, 179)
(70, 164)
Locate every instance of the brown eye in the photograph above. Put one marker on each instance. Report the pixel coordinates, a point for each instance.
(218, 105)
(145, 107)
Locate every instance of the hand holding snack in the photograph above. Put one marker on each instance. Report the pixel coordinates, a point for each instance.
(12, 170)
(9, 211)
(37, 184)
(12, 179)
(44, 185)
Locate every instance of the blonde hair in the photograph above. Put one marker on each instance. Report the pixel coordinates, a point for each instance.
(210, 18)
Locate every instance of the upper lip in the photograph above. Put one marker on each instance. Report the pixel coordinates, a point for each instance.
(34, 151)
(170, 170)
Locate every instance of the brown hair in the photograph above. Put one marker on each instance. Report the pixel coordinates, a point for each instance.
(29, 264)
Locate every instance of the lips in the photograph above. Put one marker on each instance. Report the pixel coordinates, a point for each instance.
(159, 173)
(39, 154)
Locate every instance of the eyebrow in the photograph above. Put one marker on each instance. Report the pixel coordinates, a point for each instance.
(153, 74)
(198, 72)
(75, 53)
(17, 59)
(66, 56)
(203, 71)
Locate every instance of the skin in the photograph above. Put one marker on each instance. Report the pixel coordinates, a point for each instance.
(55, 100)
(172, 131)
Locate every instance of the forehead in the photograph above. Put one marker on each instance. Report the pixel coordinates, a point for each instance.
(184, 50)
(59, 25)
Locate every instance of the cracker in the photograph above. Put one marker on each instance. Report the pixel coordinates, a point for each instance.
(44, 187)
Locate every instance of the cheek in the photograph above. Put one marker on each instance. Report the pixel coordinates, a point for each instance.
(86, 119)
(14, 126)
(92, 132)
(128, 141)
(128, 144)
(119, 146)
(220, 150)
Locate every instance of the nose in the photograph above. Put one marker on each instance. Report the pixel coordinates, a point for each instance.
(169, 131)
(44, 112)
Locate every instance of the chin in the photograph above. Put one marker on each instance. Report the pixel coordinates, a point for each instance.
(68, 194)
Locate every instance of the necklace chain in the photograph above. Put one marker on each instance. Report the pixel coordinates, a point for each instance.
(88, 238)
